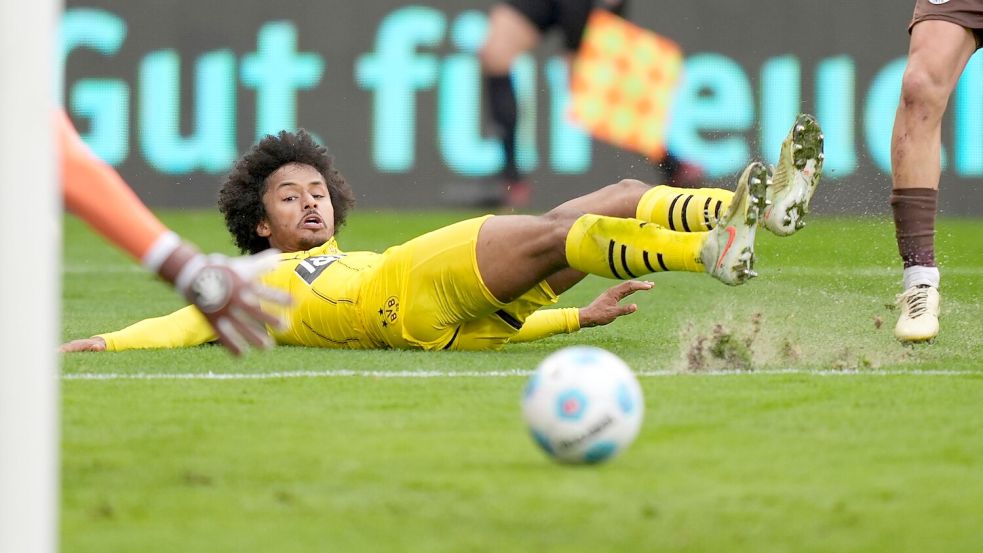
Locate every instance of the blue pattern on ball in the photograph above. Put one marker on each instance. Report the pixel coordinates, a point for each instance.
(600, 451)
(625, 400)
(541, 441)
(571, 405)
(585, 355)
(531, 385)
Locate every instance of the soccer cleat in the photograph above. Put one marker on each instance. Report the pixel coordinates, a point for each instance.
(800, 164)
(728, 252)
(919, 321)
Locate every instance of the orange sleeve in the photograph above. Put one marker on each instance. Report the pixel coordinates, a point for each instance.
(97, 193)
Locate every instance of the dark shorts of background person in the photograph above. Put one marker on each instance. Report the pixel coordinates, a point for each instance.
(965, 13)
(569, 15)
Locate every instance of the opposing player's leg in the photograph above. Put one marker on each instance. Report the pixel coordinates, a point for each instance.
(919, 319)
(800, 165)
(938, 53)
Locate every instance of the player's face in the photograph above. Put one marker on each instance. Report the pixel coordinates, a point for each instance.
(299, 214)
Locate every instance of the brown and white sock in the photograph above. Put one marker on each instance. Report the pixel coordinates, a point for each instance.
(914, 223)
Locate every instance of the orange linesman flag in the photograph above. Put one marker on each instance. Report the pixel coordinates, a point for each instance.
(623, 81)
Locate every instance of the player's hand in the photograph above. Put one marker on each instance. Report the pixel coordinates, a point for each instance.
(86, 344)
(226, 291)
(607, 307)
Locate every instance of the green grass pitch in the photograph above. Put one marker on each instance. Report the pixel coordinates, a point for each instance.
(825, 434)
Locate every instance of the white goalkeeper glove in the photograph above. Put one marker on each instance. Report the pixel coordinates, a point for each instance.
(227, 292)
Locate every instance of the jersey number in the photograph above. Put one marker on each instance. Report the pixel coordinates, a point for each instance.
(312, 267)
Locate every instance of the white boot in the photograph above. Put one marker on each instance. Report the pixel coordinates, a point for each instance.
(919, 321)
(800, 164)
(728, 252)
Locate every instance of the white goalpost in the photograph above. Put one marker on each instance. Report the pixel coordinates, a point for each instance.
(30, 276)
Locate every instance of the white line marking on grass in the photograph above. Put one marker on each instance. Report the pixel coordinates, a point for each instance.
(864, 271)
(101, 269)
(787, 270)
(485, 374)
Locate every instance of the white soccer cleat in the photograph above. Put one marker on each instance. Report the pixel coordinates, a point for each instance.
(728, 252)
(800, 164)
(919, 321)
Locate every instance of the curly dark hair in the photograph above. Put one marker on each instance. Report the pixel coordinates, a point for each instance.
(241, 197)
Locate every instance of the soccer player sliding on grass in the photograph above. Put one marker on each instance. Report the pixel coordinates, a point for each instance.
(480, 283)
(222, 288)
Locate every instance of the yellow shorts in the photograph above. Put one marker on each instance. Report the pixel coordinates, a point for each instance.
(427, 293)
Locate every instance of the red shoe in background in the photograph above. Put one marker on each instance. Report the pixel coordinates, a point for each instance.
(518, 194)
(681, 173)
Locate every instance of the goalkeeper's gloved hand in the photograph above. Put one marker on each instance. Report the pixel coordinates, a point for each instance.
(227, 293)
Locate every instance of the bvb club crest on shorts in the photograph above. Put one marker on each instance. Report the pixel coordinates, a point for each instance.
(623, 81)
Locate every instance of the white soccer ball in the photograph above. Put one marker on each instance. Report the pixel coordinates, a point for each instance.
(583, 405)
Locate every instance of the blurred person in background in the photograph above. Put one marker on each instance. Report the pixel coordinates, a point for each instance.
(515, 27)
(944, 35)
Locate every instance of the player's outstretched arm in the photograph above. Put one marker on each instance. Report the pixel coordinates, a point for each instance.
(184, 328)
(96, 343)
(603, 310)
(223, 288)
(226, 291)
(225, 307)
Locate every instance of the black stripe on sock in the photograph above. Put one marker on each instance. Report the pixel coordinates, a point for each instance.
(672, 206)
(662, 262)
(614, 271)
(686, 213)
(706, 214)
(716, 212)
(624, 260)
(648, 265)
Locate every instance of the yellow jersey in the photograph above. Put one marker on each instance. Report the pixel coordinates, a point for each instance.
(424, 294)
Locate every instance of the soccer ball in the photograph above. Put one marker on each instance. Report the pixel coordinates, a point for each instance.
(583, 405)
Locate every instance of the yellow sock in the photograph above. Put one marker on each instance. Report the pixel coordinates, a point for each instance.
(629, 248)
(683, 209)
